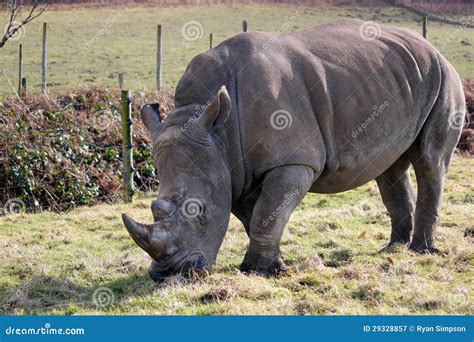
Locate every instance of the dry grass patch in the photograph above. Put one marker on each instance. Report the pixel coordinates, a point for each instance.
(56, 263)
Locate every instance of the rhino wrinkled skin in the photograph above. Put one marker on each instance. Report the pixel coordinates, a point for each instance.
(264, 118)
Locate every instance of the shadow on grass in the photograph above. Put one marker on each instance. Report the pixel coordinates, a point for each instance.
(43, 294)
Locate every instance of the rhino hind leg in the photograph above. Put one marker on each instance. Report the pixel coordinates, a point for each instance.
(430, 188)
(398, 196)
(430, 156)
(283, 188)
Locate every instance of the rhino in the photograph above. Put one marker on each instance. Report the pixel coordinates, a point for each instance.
(264, 118)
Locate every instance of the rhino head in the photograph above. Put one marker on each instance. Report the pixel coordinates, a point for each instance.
(191, 213)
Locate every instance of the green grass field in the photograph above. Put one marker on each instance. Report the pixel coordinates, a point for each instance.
(84, 262)
(93, 45)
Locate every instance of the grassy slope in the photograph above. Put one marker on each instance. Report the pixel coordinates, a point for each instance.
(123, 40)
(53, 263)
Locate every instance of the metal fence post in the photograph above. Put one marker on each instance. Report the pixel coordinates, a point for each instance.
(43, 71)
(245, 26)
(23, 85)
(159, 59)
(127, 146)
(20, 69)
(210, 40)
(425, 27)
(120, 77)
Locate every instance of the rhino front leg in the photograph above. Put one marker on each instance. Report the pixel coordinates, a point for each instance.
(243, 208)
(283, 189)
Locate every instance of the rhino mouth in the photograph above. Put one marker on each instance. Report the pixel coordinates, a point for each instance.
(187, 265)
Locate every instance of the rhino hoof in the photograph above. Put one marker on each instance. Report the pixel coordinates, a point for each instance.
(156, 275)
(256, 263)
(425, 249)
(392, 247)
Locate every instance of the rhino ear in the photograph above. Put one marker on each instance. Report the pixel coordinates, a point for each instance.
(217, 112)
(150, 115)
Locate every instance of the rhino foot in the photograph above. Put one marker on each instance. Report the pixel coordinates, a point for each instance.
(425, 249)
(392, 247)
(263, 263)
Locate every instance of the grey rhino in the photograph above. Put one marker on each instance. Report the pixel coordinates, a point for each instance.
(321, 110)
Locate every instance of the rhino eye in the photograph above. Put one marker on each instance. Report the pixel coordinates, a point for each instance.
(202, 216)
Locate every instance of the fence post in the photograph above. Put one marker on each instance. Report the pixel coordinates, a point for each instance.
(425, 28)
(210, 41)
(159, 60)
(20, 69)
(43, 71)
(23, 85)
(120, 78)
(245, 26)
(127, 146)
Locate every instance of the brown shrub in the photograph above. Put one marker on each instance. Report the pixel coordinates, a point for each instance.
(59, 152)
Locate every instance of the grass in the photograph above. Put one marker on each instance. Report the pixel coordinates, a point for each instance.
(93, 45)
(76, 262)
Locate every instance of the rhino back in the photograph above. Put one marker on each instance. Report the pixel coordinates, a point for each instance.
(352, 106)
(371, 97)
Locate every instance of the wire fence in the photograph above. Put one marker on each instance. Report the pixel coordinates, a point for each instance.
(34, 188)
(54, 157)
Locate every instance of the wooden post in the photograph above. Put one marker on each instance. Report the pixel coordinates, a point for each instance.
(245, 26)
(23, 85)
(425, 28)
(20, 69)
(159, 59)
(127, 146)
(43, 72)
(120, 77)
(210, 41)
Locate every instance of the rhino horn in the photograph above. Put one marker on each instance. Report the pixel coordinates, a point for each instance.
(161, 209)
(150, 114)
(140, 233)
(151, 238)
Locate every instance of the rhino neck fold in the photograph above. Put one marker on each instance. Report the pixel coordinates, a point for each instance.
(233, 147)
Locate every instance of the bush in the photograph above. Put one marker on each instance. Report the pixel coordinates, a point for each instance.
(57, 153)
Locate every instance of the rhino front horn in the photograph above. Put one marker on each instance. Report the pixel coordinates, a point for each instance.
(140, 233)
